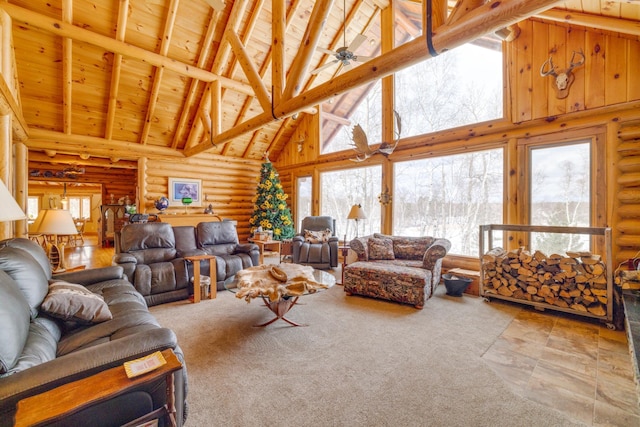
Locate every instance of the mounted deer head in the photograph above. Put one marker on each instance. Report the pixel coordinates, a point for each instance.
(564, 79)
(361, 143)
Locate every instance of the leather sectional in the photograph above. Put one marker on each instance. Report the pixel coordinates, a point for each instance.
(96, 322)
(152, 255)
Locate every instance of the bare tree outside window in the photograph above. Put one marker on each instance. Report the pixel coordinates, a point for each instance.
(462, 86)
(449, 196)
(560, 195)
(342, 189)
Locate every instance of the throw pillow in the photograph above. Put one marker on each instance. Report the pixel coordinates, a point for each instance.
(380, 249)
(311, 236)
(69, 301)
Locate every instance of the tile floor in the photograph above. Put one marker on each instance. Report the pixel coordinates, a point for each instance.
(580, 368)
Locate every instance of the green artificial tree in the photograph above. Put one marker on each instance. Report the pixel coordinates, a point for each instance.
(270, 210)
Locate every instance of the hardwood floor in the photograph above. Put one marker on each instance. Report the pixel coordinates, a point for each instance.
(90, 255)
(575, 366)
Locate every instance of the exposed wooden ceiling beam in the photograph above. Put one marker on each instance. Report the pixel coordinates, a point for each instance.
(220, 61)
(35, 20)
(10, 106)
(253, 21)
(157, 78)
(250, 70)
(67, 69)
(485, 19)
(121, 28)
(278, 41)
(66, 159)
(308, 44)
(41, 139)
(334, 44)
(335, 118)
(463, 7)
(265, 66)
(618, 25)
(193, 86)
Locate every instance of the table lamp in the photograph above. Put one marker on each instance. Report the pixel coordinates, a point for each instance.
(55, 222)
(10, 210)
(356, 213)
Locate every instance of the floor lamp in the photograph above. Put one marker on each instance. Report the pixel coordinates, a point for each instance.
(10, 210)
(356, 213)
(56, 222)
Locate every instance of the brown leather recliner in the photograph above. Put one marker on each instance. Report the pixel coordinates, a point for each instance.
(221, 239)
(321, 255)
(152, 262)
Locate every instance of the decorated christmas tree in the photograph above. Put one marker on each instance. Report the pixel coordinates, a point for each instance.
(270, 210)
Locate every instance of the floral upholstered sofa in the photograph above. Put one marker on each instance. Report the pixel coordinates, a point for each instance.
(396, 268)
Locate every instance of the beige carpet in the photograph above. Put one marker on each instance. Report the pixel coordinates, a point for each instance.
(360, 362)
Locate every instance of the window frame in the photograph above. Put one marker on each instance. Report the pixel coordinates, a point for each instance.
(598, 181)
(497, 145)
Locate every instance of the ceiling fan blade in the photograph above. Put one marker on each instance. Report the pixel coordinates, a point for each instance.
(216, 4)
(362, 58)
(327, 51)
(323, 67)
(357, 41)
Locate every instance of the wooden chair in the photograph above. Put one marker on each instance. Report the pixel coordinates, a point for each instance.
(74, 239)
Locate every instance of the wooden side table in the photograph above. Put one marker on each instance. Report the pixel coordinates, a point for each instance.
(270, 245)
(213, 272)
(69, 398)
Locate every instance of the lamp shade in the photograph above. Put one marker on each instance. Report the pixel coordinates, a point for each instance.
(55, 221)
(356, 213)
(10, 210)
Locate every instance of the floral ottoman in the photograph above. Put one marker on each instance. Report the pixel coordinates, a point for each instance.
(388, 281)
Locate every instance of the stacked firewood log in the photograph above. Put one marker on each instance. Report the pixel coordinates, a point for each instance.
(577, 281)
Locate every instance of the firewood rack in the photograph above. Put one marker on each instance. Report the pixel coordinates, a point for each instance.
(486, 243)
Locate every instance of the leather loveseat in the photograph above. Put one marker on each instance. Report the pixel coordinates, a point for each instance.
(81, 324)
(152, 256)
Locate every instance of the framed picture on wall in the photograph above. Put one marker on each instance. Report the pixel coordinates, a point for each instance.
(185, 187)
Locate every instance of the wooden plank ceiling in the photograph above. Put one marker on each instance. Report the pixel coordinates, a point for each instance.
(124, 78)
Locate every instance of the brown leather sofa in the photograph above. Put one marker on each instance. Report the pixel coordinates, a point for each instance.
(152, 255)
(44, 346)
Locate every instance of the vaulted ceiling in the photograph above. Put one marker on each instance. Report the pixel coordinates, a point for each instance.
(127, 78)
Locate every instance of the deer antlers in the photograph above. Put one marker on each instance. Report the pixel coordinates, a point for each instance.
(361, 143)
(564, 79)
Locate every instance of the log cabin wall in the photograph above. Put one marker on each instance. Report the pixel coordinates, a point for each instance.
(626, 205)
(229, 184)
(605, 93)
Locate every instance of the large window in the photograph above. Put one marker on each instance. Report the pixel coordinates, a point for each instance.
(342, 189)
(80, 207)
(303, 198)
(459, 87)
(560, 195)
(33, 207)
(361, 106)
(450, 197)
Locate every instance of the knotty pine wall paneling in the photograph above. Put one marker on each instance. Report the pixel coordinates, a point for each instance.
(604, 79)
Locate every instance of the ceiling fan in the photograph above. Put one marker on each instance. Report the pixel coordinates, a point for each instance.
(344, 55)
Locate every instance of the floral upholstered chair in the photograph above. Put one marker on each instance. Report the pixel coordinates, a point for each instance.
(316, 245)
